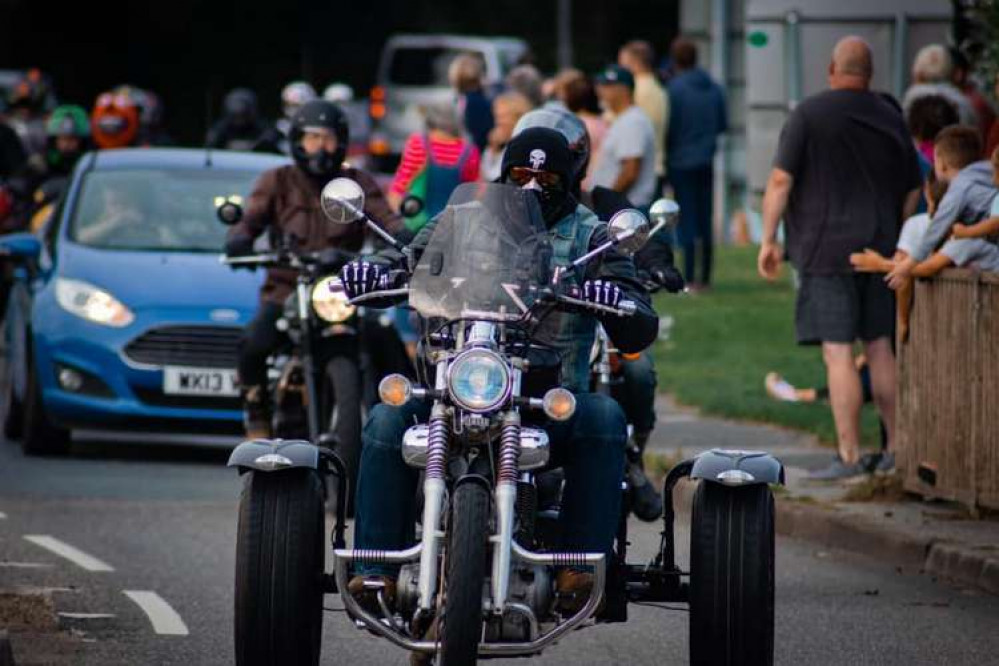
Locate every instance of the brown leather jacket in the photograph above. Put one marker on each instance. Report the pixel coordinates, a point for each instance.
(285, 201)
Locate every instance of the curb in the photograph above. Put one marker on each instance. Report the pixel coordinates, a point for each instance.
(974, 567)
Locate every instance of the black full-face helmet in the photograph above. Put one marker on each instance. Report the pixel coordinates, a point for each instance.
(322, 115)
(568, 125)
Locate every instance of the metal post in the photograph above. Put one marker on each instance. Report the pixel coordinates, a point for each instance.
(900, 66)
(720, 22)
(564, 33)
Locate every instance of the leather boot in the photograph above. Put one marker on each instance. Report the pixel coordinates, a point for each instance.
(646, 503)
(256, 412)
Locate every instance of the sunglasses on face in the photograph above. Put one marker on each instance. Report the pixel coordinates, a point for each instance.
(523, 175)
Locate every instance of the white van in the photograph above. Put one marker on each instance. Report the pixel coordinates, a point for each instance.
(413, 73)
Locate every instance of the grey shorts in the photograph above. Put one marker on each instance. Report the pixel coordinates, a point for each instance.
(844, 308)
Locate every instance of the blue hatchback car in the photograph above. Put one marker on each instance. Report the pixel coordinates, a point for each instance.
(121, 317)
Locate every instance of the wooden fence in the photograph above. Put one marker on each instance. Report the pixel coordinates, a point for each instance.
(948, 399)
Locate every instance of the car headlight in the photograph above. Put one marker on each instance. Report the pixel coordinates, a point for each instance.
(479, 380)
(91, 303)
(329, 301)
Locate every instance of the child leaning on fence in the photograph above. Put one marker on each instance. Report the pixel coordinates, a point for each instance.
(988, 229)
(969, 197)
(974, 252)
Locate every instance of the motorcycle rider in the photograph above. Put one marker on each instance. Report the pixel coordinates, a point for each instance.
(42, 180)
(637, 392)
(590, 446)
(241, 127)
(114, 121)
(27, 103)
(285, 202)
(293, 97)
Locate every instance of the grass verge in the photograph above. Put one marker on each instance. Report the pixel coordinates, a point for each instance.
(724, 341)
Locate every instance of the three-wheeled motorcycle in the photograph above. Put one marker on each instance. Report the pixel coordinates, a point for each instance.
(479, 581)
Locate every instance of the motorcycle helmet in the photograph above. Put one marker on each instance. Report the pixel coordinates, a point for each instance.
(570, 126)
(31, 93)
(240, 108)
(319, 114)
(295, 95)
(114, 121)
(147, 103)
(338, 93)
(68, 120)
(542, 149)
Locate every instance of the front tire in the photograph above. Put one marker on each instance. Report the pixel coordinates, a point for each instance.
(38, 436)
(279, 567)
(466, 556)
(732, 576)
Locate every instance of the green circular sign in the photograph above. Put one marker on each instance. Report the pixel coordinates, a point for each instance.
(758, 38)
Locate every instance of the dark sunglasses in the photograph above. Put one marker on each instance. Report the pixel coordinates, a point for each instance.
(523, 175)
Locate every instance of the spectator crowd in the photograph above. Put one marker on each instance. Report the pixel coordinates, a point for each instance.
(873, 193)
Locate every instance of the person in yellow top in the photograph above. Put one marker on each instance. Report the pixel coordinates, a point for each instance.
(638, 57)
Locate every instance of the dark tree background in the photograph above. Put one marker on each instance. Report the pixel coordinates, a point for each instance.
(192, 51)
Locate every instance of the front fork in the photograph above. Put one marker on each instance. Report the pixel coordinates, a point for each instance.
(506, 507)
(433, 503)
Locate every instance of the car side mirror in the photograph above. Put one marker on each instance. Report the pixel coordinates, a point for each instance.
(21, 246)
(630, 230)
(342, 201)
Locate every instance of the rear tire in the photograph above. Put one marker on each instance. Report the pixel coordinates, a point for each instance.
(39, 437)
(732, 576)
(461, 628)
(279, 568)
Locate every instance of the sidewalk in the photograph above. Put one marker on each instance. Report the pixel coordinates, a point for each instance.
(932, 537)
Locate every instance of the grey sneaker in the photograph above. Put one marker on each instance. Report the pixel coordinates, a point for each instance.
(886, 466)
(837, 471)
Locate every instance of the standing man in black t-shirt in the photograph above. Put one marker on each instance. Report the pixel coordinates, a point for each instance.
(844, 178)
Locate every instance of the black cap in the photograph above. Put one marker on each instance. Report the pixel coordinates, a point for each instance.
(615, 74)
(541, 149)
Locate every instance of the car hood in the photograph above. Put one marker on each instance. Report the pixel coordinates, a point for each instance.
(162, 279)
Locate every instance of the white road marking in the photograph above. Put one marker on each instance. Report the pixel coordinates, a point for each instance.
(3, 516)
(25, 565)
(164, 619)
(63, 549)
(86, 616)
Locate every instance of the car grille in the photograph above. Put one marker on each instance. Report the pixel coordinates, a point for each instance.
(192, 346)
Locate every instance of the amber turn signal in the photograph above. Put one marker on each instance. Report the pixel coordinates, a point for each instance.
(395, 390)
(559, 404)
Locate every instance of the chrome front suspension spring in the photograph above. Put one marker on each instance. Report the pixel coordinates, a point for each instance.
(509, 453)
(437, 440)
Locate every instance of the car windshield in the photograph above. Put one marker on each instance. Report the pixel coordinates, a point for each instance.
(488, 250)
(422, 66)
(171, 210)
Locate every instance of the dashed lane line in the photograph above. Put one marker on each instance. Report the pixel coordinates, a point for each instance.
(163, 617)
(25, 565)
(71, 553)
(3, 516)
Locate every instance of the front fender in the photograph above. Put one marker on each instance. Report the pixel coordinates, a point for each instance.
(274, 455)
(737, 468)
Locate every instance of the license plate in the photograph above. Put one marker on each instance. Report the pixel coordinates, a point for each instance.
(217, 382)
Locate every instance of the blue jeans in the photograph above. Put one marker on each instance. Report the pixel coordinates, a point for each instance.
(694, 193)
(637, 393)
(589, 446)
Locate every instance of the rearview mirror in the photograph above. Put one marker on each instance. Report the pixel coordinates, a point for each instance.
(665, 214)
(411, 206)
(20, 246)
(629, 229)
(342, 201)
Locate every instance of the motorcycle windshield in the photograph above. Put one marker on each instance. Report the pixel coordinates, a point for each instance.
(486, 254)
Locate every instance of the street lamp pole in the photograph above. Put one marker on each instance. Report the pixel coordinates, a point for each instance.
(564, 27)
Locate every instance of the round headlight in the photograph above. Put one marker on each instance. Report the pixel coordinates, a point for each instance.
(329, 301)
(479, 381)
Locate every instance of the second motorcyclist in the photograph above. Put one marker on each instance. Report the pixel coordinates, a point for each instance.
(285, 203)
(590, 446)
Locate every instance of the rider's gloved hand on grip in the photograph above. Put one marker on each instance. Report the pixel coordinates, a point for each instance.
(238, 246)
(668, 278)
(602, 292)
(331, 258)
(362, 277)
